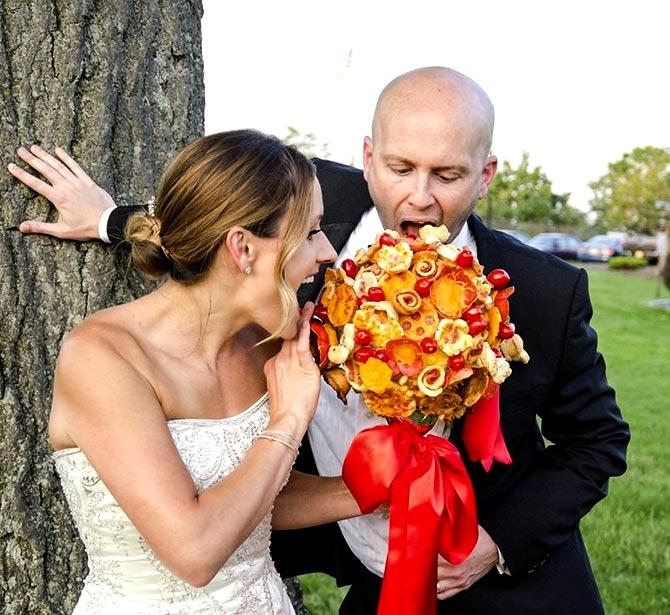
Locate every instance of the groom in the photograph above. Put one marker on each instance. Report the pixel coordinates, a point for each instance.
(428, 161)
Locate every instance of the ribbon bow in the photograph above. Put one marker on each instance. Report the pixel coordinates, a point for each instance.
(432, 508)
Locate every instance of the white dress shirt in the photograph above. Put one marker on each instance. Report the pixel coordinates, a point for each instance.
(335, 425)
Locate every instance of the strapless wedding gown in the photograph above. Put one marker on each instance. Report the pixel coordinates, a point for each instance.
(126, 578)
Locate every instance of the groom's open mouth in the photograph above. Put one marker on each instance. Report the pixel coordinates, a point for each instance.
(411, 227)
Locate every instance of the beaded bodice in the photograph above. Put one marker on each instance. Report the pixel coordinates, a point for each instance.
(124, 574)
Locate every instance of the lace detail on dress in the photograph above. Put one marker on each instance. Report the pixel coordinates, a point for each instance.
(125, 575)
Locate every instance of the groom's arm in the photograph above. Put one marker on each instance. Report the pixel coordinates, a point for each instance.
(84, 210)
(589, 440)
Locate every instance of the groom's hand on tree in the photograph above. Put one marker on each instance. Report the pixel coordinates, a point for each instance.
(78, 199)
(454, 579)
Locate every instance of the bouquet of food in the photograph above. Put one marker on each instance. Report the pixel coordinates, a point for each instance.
(417, 329)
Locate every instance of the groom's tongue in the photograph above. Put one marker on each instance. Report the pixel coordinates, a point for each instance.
(410, 228)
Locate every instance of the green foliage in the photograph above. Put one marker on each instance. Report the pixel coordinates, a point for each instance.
(306, 143)
(626, 262)
(631, 193)
(524, 195)
(322, 596)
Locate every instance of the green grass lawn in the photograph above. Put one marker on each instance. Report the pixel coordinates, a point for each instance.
(628, 534)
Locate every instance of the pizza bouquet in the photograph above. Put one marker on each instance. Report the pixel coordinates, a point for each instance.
(416, 327)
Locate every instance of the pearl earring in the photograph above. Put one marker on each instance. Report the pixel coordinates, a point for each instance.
(247, 271)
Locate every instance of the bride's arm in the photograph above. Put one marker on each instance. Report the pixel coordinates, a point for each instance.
(111, 412)
(309, 500)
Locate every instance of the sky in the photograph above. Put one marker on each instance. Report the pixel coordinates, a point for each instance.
(575, 83)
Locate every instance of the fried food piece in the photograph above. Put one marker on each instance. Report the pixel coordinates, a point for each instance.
(381, 320)
(431, 380)
(396, 402)
(474, 388)
(447, 406)
(337, 379)
(376, 376)
(406, 301)
(453, 293)
(342, 305)
(422, 323)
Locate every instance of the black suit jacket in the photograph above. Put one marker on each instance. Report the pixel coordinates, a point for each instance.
(532, 507)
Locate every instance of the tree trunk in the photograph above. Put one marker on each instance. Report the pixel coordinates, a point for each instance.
(120, 86)
(665, 257)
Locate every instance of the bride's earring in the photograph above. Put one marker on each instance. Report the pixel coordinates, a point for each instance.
(247, 270)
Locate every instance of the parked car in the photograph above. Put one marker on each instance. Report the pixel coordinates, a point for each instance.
(601, 248)
(520, 235)
(642, 246)
(559, 244)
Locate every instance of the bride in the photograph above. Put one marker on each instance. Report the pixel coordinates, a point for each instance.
(175, 428)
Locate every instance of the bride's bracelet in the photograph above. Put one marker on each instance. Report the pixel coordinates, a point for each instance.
(283, 434)
(274, 435)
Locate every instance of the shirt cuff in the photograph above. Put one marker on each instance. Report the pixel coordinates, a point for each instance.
(502, 568)
(102, 224)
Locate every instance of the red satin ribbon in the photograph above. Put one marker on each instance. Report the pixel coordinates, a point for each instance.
(482, 435)
(432, 509)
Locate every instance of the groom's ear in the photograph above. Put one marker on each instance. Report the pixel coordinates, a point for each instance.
(488, 173)
(240, 248)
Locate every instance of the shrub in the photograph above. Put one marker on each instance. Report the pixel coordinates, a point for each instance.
(626, 262)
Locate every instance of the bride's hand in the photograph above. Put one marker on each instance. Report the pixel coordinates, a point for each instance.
(294, 381)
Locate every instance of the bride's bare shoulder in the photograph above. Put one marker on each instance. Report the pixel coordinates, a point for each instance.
(109, 331)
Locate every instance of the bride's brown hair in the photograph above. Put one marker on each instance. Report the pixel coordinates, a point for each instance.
(237, 178)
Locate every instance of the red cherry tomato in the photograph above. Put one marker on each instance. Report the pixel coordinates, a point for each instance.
(499, 278)
(362, 337)
(428, 345)
(350, 268)
(376, 294)
(363, 354)
(321, 312)
(471, 314)
(506, 330)
(464, 258)
(497, 352)
(382, 355)
(476, 325)
(456, 362)
(387, 240)
(422, 287)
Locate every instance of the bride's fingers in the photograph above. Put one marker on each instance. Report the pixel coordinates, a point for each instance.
(72, 164)
(39, 165)
(302, 343)
(33, 182)
(50, 160)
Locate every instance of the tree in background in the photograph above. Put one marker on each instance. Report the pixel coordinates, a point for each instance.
(120, 86)
(306, 143)
(628, 195)
(522, 196)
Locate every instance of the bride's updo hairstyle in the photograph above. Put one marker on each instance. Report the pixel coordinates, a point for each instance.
(237, 178)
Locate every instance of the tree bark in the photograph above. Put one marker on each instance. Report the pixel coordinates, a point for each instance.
(119, 84)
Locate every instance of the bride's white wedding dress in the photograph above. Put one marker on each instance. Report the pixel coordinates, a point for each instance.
(125, 577)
